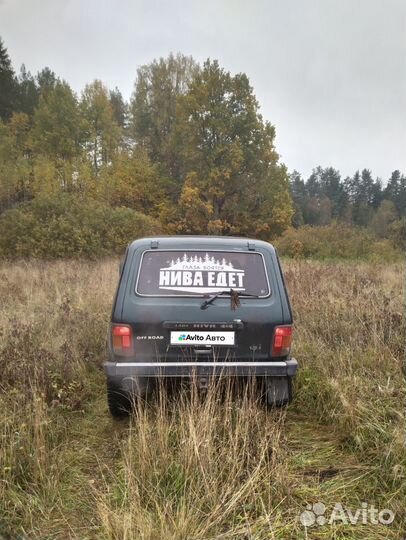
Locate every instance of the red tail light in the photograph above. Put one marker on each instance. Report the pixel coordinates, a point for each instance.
(282, 340)
(122, 339)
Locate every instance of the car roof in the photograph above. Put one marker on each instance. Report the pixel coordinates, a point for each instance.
(203, 241)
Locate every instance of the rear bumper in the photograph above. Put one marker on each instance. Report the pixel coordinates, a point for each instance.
(122, 370)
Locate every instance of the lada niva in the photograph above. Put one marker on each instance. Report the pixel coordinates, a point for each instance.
(199, 307)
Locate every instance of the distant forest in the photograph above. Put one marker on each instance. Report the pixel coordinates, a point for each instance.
(189, 153)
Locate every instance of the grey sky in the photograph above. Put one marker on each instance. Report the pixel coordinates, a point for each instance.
(329, 74)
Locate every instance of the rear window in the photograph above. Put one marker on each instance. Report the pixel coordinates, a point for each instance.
(193, 272)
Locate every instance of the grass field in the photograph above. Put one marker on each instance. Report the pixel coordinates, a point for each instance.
(187, 467)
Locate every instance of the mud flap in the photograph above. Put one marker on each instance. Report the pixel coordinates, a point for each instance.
(278, 391)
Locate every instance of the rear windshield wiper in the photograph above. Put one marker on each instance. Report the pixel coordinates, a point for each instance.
(234, 295)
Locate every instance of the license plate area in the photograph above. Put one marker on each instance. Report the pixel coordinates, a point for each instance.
(205, 338)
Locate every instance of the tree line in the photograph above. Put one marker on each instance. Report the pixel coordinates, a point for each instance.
(357, 200)
(190, 149)
(188, 153)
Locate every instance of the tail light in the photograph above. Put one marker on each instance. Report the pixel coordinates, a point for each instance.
(282, 340)
(122, 339)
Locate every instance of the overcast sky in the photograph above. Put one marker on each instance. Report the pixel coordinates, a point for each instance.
(329, 74)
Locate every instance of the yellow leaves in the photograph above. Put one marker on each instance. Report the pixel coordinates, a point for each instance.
(45, 178)
(262, 229)
(228, 159)
(190, 196)
(282, 212)
(20, 127)
(202, 160)
(218, 226)
(132, 181)
(194, 210)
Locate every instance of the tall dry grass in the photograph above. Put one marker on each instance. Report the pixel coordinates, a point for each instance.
(197, 468)
(350, 335)
(188, 467)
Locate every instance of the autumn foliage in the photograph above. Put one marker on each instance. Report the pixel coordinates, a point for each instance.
(189, 154)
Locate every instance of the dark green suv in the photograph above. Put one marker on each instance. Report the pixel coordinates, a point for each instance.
(202, 307)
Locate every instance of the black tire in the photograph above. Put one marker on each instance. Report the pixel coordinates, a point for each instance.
(118, 401)
(278, 392)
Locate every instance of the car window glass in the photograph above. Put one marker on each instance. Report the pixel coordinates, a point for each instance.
(192, 272)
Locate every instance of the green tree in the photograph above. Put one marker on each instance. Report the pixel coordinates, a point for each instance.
(401, 199)
(28, 92)
(16, 164)
(102, 130)
(299, 197)
(363, 211)
(332, 188)
(46, 80)
(8, 85)
(57, 131)
(119, 107)
(233, 183)
(362, 194)
(392, 187)
(7, 169)
(397, 233)
(395, 191)
(153, 105)
(376, 194)
(326, 211)
(57, 135)
(327, 198)
(383, 218)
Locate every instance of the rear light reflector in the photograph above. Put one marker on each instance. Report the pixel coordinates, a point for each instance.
(282, 341)
(122, 339)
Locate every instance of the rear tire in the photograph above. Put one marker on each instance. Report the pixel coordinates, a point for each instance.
(279, 391)
(118, 400)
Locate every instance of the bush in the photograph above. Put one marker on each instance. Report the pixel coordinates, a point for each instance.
(64, 226)
(335, 241)
(397, 233)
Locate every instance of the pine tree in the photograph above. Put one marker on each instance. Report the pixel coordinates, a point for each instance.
(299, 197)
(395, 191)
(28, 92)
(8, 85)
(401, 200)
(332, 188)
(363, 211)
(327, 198)
(46, 80)
(376, 194)
(119, 107)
